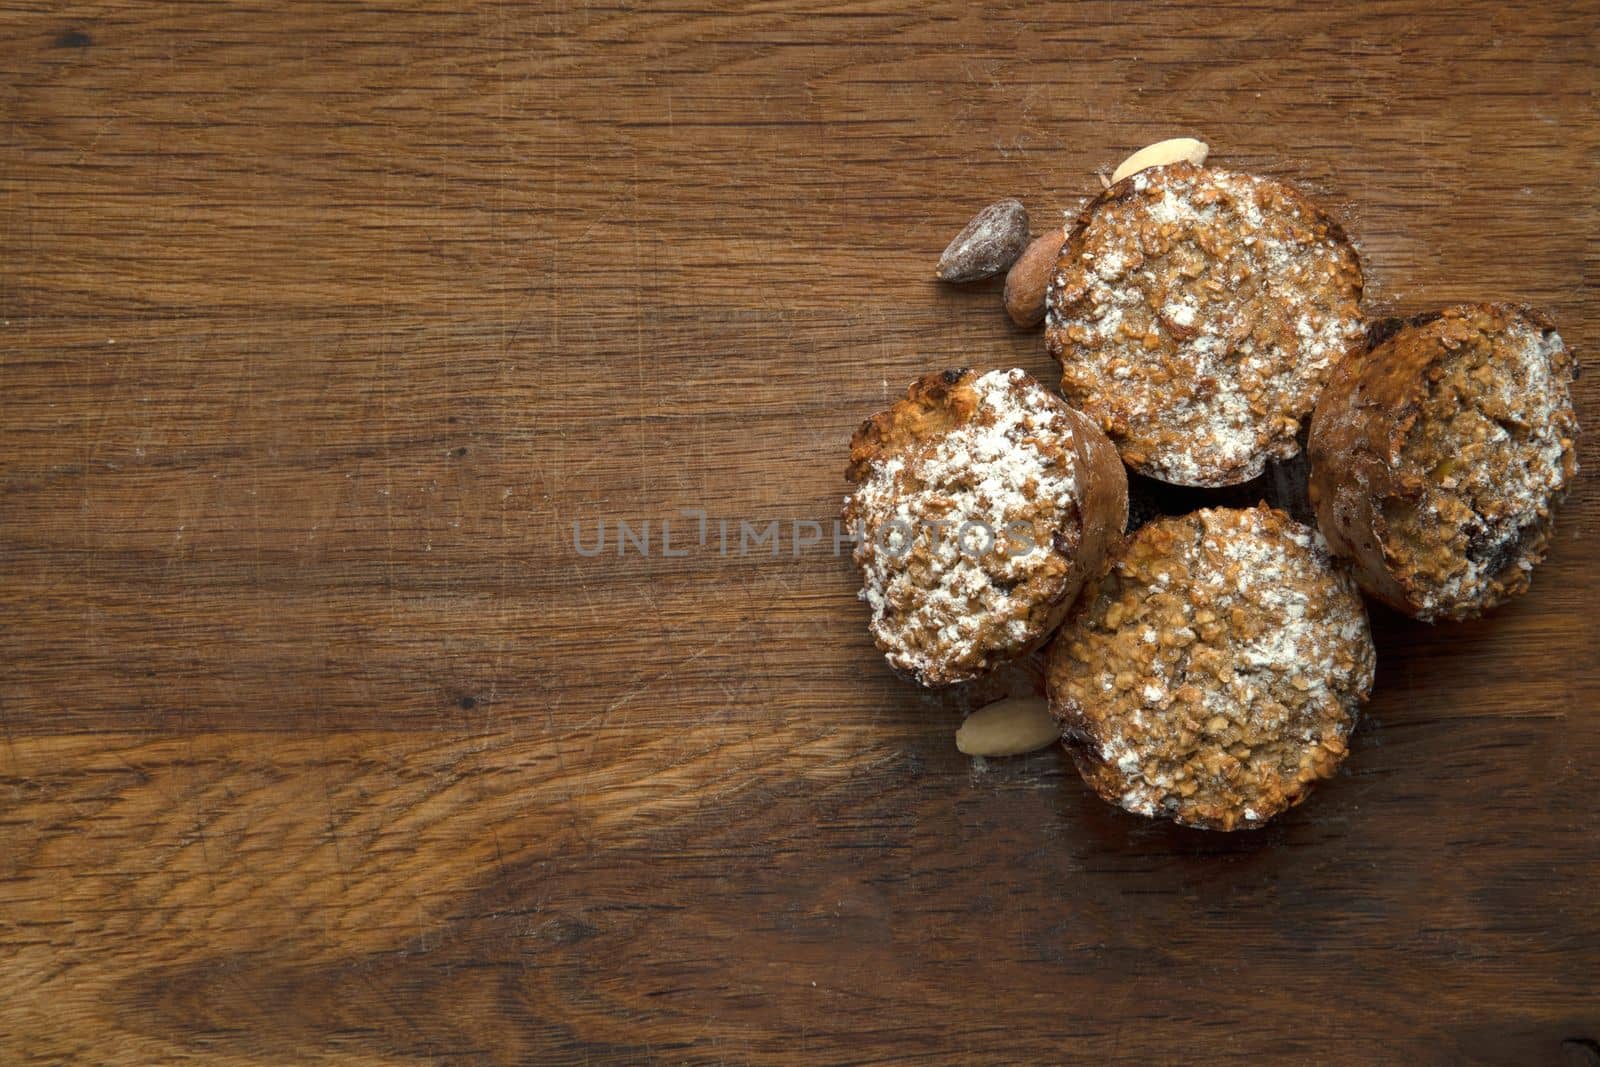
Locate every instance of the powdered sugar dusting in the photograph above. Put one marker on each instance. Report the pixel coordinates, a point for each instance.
(1519, 462)
(942, 597)
(1263, 652)
(1202, 324)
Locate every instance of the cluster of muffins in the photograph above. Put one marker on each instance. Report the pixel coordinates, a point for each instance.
(1209, 668)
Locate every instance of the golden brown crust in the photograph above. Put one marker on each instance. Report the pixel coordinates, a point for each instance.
(1212, 676)
(932, 404)
(1438, 454)
(1196, 313)
(1043, 491)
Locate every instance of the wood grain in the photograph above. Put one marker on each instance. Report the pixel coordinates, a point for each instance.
(319, 742)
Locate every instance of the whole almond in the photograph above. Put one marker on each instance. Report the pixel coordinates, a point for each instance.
(1008, 727)
(989, 244)
(1030, 277)
(1160, 154)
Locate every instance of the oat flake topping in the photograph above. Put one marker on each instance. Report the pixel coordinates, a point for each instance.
(1214, 674)
(941, 604)
(1196, 313)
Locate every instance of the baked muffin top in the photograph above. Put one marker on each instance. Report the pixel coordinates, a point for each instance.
(967, 512)
(1213, 674)
(1459, 426)
(1196, 313)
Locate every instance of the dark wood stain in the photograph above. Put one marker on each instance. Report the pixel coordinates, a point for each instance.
(321, 325)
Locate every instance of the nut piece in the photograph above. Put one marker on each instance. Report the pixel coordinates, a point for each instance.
(1160, 154)
(991, 242)
(1030, 276)
(1008, 727)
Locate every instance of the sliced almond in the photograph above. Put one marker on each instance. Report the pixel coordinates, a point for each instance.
(1160, 154)
(1030, 277)
(1008, 727)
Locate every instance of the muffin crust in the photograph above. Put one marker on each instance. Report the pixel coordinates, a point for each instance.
(982, 504)
(1196, 313)
(1437, 458)
(1213, 675)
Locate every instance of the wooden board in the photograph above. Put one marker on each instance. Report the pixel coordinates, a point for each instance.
(319, 742)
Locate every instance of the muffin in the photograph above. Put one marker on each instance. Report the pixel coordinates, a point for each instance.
(1437, 457)
(1196, 314)
(1212, 676)
(982, 504)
